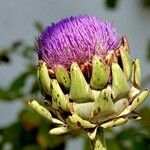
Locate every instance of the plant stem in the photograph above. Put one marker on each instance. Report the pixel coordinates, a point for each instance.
(99, 142)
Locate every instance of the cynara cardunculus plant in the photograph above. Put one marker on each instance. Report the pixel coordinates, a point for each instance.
(87, 78)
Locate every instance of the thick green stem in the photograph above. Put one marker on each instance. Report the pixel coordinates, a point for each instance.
(99, 142)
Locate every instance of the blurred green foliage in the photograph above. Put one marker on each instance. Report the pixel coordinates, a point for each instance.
(29, 132)
(16, 88)
(148, 51)
(146, 3)
(111, 4)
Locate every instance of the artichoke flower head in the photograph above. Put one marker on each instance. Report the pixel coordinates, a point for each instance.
(76, 39)
(86, 76)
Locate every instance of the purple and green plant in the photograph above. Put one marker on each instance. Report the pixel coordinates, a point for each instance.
(87, 78)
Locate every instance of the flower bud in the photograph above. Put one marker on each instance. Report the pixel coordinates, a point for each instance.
(89, 77)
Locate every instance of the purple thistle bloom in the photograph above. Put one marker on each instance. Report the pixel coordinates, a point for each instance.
(76, 39)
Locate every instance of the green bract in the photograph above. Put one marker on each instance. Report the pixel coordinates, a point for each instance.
(107, 98)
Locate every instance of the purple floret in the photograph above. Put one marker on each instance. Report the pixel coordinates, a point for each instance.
(76, 39)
